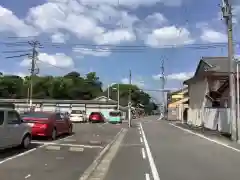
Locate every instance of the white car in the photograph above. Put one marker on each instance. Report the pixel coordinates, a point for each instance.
(13, 131)
(78, 116)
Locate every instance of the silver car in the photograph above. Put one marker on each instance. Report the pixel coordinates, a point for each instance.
(13, 131)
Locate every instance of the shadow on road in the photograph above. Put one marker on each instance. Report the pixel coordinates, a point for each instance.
(15, 151)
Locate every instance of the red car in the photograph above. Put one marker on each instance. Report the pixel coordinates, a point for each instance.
(96, 117)
(48, 124)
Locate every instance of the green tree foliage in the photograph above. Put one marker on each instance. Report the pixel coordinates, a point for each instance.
(69, 86)
(139, 98)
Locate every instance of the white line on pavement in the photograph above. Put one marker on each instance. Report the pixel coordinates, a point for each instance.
(21, 154)
(143, 153)
(150, 157)
(140, 132)
(204, 137)
(26, 152)
(147, 176)
(65, 144)
(141, 140)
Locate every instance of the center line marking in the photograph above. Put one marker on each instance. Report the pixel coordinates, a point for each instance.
(143, 153)
(150, 157)
(141, 140)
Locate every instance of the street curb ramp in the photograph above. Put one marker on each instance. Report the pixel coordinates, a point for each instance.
(99, 158)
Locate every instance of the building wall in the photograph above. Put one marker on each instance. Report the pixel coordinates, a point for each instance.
(197, 101)
(105, 109)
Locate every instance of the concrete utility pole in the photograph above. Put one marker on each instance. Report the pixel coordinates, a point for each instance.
(227, 15)
(33, 69)
(162, 81)
(129, 100)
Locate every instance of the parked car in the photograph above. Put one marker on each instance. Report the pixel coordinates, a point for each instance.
(78, 116)
(48, 124)
(96, 117)
(13, 132)
(115, 117)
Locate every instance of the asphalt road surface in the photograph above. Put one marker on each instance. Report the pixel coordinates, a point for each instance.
(151, 150)
(158, 150)
(64, 159)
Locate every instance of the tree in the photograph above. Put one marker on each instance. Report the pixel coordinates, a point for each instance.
(138, 97)
(69, 86)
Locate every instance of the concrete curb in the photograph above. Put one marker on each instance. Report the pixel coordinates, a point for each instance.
(96, 162)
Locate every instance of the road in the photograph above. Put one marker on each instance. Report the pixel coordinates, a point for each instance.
(150, 150)
(157, 150)
(63, 159)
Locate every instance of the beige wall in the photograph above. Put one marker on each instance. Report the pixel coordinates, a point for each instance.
(197, 101)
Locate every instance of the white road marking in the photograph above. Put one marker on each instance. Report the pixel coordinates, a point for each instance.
(141, 140)
(28, 151)
(140, 132)
(207, 138)
(50, 147)
(76, 149)
(20, 154)
(147, 176)
(65, 144)
(29, 175)
(150, 157)
(143, 153)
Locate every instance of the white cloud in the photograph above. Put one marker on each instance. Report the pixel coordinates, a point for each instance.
(175, 76)
(59, 60)
(9, 22)
(59, 37)
(115, 37)
(93, 52)
(138, 82)
(133, 3)
(83, 22)
(212, 36)
(169, 36)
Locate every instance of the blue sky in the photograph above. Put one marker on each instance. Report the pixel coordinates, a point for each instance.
(152, 27)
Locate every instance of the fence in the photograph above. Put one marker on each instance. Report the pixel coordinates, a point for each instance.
(217, 119)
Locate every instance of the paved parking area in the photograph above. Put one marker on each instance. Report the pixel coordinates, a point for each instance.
(65, 158)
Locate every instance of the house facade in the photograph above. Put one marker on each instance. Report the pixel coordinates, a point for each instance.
(208, 96)
(177, 103)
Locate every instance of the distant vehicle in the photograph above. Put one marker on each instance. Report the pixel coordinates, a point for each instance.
(96, 117)
(115, 117)
(13, 132)
(48, 124)
(78, 116)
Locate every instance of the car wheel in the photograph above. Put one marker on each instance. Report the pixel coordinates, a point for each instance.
(26, 141)
(54, 134)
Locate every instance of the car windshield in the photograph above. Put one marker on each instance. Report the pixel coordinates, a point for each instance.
(76, 112)
(115, 114)
(35, 115)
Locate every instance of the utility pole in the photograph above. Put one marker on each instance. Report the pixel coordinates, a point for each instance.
(129, 100)
(227, 15)
(162, 81)
(33, 69)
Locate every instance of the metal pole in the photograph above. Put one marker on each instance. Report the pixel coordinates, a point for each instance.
(118, 96)
(130, 99)
(33, 62)
(227, 14)
(162, 78)
(238, 105)
(108, 93)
